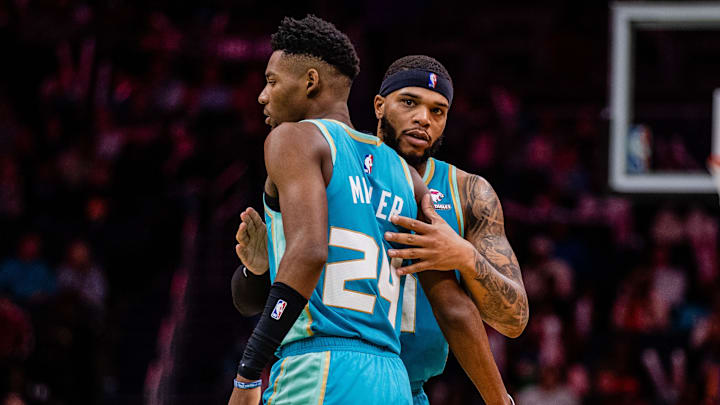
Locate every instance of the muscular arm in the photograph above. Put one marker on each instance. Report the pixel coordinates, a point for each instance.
(463, 328)
(295, 158)
(461, 323)
(295, 155)
(493, 277)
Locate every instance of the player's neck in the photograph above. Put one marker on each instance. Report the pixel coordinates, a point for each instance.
(337, 111)
(420, 167)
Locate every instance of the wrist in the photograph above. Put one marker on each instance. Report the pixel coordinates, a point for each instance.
(241, 383)
(249, 270)
(242, 379)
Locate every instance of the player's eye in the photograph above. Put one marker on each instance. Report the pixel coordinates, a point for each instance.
(438, 111)
(408, 102)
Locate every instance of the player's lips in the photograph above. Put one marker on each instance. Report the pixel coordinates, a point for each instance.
(267, 117)
(417, 137)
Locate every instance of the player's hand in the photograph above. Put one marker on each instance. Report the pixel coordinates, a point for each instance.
(244, 397)
(434, 246)
(251, 239)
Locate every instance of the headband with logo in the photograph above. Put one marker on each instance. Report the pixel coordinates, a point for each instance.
(417, 78)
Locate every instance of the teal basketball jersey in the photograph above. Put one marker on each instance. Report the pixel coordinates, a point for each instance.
(424, 348)
(358, 294)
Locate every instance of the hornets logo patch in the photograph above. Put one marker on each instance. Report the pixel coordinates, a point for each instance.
(437, 196)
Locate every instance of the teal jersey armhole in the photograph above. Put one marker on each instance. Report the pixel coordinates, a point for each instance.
(408, 176)
(328, 138)
(456, 199)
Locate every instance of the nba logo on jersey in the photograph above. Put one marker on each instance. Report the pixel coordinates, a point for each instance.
(367, 164)
(432, 80)
(279, 308)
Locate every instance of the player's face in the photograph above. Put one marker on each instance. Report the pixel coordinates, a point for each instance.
(412, 120)
(284, 95)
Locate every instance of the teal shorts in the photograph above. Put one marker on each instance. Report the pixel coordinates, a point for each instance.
(330, 370)
(418, 394)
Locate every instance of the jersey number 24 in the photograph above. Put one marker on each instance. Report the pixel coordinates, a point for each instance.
(336, 294)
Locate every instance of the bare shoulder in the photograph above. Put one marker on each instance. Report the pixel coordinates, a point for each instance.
(472, 182)
(291, 134)
(481, 205)
(295, 141)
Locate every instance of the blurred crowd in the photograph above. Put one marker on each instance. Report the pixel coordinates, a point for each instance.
(114, 116)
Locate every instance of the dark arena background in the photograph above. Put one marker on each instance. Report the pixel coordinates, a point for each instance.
(131, 139)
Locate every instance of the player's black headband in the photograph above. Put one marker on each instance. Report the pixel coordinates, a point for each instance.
(417, 78)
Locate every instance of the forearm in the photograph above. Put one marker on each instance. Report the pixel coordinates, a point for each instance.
(301, 266)
(463, 328)
(249, 291)
(502, 302)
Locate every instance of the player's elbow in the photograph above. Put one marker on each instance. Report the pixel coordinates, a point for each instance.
(515, 326)
(454, 317)
(311, 255)
(512, 331)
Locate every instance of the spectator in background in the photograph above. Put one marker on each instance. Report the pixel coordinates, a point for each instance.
(81, 275)
(16, 342)
(27, 277)
(11, 192)
(550, 390)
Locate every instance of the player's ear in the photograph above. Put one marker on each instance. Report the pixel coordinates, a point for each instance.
(379, 104)
(313, 81)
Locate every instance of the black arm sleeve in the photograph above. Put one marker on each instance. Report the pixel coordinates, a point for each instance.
(250, 292)
(282, 309)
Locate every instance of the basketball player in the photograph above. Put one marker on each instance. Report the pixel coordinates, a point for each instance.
(424, 350)
(329, 196)
(465, 233)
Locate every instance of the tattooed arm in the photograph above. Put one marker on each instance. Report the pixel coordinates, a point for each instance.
(493, 278)
(484, 257)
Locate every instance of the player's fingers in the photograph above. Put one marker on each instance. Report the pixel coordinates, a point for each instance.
(256, 219)
(407, 238)
(413, 268)
(238, 251)
(428, 208)
(410, 253)
(248, 220)
(241, 236)
(410, 223)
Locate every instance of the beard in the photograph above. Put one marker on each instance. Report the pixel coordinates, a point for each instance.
(391, 138)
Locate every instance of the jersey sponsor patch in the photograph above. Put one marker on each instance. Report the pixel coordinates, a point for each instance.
(368, 164)
(437, 196)
(279, 309)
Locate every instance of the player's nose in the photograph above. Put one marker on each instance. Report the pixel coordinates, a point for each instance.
(422, 117)
(263, 97)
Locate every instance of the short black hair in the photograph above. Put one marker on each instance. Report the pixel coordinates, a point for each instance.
(313, 36)
(419, 62)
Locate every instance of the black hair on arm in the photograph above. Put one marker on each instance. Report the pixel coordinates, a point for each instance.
(420, 62)
(313, 36)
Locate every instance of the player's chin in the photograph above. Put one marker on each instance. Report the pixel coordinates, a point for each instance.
(412, 151)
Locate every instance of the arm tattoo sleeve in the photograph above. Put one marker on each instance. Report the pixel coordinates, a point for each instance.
(504, 304)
